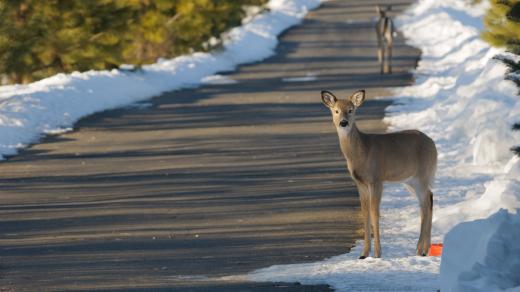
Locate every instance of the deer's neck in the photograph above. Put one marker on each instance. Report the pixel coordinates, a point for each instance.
(354, 146)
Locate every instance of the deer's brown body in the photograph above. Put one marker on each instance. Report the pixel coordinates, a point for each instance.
(408, 156)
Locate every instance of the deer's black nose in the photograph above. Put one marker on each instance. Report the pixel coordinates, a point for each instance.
(343, 123)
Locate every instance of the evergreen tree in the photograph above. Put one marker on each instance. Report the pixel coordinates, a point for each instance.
(42, 38)
(516, 149)
(19, 32)
(502, 23)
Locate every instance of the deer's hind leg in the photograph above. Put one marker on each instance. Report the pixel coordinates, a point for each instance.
(389, 58)
(421, 190)
(381, 53)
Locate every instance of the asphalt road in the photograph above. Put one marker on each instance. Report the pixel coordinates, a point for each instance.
(202, 183)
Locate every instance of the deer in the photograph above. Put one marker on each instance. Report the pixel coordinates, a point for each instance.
(409, 157)
(385, 39)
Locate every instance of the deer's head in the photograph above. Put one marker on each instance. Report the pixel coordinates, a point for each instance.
(343, 110)
(382, 13)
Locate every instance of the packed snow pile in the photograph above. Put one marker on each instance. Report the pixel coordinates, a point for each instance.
(462, 100)
(482, 255)
(54, 104)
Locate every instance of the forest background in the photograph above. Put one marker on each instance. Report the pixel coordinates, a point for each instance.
(42, 38)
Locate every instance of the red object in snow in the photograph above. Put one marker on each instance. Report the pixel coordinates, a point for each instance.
(435, 250)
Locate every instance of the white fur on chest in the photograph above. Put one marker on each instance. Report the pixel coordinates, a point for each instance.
(343, 135)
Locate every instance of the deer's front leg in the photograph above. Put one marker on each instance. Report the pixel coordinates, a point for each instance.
(365, 212)
(376, 190)
(379, 44)
(389, 56)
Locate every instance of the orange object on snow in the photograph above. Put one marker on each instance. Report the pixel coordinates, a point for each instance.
(435, 250)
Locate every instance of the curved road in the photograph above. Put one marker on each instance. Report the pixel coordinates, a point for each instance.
(202, 183)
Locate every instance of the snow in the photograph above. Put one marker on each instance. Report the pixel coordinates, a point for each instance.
(462, 100)
(491, 261)
(218, 80)
(54, 104)
(309, 76)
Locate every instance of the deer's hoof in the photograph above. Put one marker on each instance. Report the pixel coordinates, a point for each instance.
(362, 257)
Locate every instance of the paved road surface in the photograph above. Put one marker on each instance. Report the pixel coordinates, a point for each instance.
(203, 183)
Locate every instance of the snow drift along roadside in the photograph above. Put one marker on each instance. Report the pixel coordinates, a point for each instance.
(54, 104)
(465, 104)
(462, 101)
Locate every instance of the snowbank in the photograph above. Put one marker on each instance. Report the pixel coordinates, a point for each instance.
(482, 255)
(465, 104)
(54, 104)
(462, 101)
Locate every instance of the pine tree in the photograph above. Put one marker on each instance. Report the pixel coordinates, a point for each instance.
(42, 38)
(502, 23)
(19, 32)
(516, 149)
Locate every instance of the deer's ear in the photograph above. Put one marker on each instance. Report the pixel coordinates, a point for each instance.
(358, 97)
(328, 98)
(378, 9)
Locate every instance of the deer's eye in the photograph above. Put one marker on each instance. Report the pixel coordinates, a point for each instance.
(337, 112)
(350, 111)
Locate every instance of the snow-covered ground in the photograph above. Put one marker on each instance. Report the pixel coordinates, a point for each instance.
(54, 104)
(462, 101)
